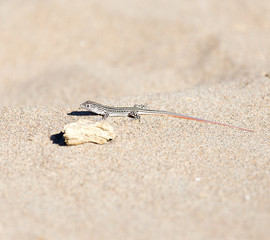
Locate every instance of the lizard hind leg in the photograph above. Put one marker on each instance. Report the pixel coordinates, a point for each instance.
(135, 115)
(140, 106)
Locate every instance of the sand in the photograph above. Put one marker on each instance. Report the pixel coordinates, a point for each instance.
(162, 177)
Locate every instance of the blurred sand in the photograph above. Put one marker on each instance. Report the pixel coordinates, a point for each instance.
(161, 178)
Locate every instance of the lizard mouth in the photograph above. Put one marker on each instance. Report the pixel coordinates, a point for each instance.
(82, 106)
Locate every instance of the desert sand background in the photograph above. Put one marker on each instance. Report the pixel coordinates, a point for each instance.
(161, 178)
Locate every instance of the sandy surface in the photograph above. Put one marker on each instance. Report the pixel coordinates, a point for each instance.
(161, 178)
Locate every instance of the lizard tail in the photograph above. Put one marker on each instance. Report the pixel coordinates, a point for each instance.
(207, 121)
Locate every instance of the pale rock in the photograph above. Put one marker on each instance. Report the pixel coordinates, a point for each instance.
(85, 131)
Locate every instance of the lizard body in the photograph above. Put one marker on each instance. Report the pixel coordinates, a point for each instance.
(137, 110)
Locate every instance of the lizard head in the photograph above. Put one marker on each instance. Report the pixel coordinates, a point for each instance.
(93, 107)
(88, 105)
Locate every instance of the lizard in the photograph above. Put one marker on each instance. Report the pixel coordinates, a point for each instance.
(137, 110)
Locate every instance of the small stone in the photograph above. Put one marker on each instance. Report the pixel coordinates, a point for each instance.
(85, 131)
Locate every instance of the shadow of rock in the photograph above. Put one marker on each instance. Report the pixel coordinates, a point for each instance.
(58, 139)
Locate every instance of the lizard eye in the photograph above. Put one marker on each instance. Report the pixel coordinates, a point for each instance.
(87, 105)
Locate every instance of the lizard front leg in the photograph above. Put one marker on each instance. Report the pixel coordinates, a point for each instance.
(105, 115)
